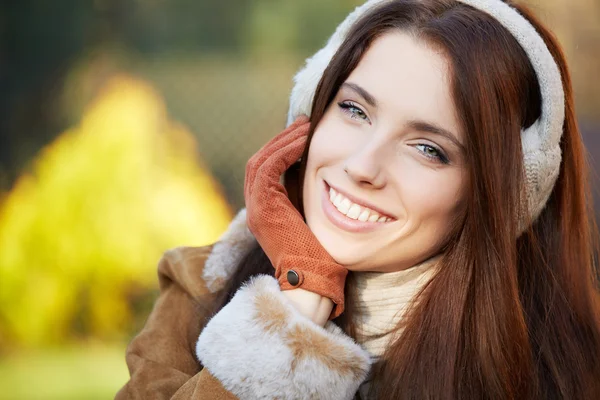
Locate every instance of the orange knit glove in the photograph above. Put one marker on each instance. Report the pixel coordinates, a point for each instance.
(299, 259)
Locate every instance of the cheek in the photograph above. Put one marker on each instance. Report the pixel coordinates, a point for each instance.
(324, 147)
(333, 140)
(430, 196)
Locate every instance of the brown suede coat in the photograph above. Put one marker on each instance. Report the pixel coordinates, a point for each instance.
(256, 347)
(161, 358)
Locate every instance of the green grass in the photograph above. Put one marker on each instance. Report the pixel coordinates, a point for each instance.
(74, 373)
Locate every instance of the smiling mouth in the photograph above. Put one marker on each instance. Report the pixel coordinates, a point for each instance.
(348, 215)
(353, 210)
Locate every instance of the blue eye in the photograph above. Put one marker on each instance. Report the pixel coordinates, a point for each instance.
(353, 111)
(433, 153)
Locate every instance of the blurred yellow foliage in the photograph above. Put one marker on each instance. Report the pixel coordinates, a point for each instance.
(81, 235)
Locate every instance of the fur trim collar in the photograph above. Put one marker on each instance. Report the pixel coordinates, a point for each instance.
(227, 253)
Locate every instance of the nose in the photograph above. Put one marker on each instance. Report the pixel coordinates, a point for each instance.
(364, 167)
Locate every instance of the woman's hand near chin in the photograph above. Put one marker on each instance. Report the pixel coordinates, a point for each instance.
(299, 259)
(312, 305)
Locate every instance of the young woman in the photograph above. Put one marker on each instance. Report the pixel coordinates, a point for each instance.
(434, 241)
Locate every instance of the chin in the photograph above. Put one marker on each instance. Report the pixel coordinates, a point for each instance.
(347, 261)
(338, 247)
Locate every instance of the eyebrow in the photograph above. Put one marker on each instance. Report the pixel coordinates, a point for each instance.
(417, 125)
(361, 92)
(423, 126)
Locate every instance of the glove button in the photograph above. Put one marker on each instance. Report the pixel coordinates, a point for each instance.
(293, 278)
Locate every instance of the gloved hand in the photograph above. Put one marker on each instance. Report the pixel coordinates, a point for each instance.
(299, 259)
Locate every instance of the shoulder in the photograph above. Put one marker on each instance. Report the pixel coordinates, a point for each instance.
(184, 266)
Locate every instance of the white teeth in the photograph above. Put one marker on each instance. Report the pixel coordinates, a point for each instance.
(354, 211)
(364, 216)
(373, 218)
(338, 200)
(345, 206)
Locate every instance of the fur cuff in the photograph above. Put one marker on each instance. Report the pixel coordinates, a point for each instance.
(260, 347)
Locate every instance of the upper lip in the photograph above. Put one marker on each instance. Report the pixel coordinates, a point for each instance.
(360, 202)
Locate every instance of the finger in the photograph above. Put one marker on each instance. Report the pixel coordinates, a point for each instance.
(266, 189)
(272, 169)
(279, 141)
(283, 140)
(272, 210)
(299, 127)
(269, 173)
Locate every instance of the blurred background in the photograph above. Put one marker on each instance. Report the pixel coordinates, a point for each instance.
(125, 126)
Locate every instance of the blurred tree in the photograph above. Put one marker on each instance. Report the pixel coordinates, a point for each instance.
(81, 237)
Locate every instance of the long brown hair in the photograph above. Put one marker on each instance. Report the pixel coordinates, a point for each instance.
(506, 316)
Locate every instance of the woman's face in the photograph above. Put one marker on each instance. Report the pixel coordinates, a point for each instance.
(390, 141)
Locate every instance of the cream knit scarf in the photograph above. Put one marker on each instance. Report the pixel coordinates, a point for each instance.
(382, 300)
